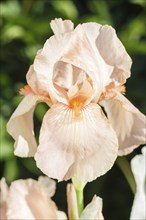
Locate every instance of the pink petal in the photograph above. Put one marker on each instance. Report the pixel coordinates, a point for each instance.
(61, 215)
(29, 200)
(68, 142)
(114, 53)
(128, 122)
(3, 199)
(20, 126)
(60, 26)
(38, 88)
(40, 75)
(93, 211)
(48, 184)
(83, 55)
(66, 75)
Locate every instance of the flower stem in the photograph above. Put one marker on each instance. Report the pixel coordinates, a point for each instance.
(80, 200)
(79, 188)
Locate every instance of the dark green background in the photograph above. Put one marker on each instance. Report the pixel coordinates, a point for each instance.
(24, 29)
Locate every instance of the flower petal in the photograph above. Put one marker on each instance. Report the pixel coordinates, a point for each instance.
(83, 55)
(60, 26)
(93, 211)
(3, 199)
(128, 122)
(138, 168)
(40, 75)
(67, 139)
(61, 215)
(29, 200)
(116, 56)
(20, 126)
(48, 184)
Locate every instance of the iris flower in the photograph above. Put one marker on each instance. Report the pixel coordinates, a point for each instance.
(29, 199)
(80, 74)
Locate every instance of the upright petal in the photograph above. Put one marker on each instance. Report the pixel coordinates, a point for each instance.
(40, 75)
(128, 122)
(60, 26)
(20, 126)
(114, 53)
(83, 55)
(84, 146)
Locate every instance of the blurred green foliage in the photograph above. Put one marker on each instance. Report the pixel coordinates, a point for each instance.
(24, 29)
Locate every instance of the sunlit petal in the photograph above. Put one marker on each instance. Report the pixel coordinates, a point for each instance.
(114, 53)
(3, 199)
(93, 211)
(20, 126)
(81, 54)
(29, 200)
(60, 26)
(128, 122)
(82, 145)
(40, 75)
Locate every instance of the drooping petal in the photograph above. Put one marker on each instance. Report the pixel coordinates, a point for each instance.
(83, 145)
(29, 200)
(114, 53)
(60, 26)
(20, 126)
(93, 211)
(139, 170)
(128, 122)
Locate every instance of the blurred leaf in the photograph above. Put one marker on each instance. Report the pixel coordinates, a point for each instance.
(11, 170)
(10, 9)
(66, 8)
(12, 32)
(133, 36)
(30, 165)
(40, 111)
(6, 148)
(101, 11)
(139, 2)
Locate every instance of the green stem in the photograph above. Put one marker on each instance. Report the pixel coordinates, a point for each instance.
(124, 165)
(79, 188)
(80, 200)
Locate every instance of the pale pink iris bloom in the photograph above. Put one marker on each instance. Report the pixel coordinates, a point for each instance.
(138, 166)
(76, 72)
(29, 199)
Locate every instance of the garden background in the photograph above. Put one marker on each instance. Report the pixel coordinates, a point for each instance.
(24, 30)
